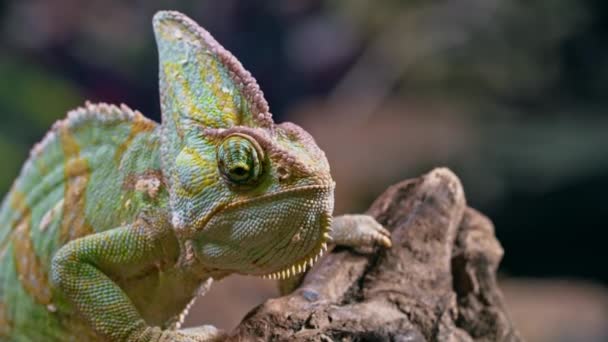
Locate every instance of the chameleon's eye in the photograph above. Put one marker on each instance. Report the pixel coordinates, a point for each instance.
(240, 159)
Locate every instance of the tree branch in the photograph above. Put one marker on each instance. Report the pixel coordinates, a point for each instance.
(437, 282)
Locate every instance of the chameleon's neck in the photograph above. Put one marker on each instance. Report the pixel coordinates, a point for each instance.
(154, 204)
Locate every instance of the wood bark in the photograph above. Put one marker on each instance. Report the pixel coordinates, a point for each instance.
(437, 282)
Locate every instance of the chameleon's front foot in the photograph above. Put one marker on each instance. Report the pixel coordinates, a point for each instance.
(361, 232)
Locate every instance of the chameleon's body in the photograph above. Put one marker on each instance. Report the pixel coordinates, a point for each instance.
(116, 221)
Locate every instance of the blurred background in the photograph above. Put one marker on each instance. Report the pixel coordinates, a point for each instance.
(510, 94)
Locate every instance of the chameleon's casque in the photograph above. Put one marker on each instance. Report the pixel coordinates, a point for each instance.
(115, 221)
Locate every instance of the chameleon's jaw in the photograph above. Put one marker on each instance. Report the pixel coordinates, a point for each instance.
(274, 235)
(307, 261)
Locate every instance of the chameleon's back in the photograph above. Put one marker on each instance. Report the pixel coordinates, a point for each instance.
(77, 181)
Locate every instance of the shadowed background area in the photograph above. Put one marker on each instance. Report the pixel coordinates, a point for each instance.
(507, 93)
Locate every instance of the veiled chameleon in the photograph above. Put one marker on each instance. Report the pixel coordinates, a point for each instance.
(116, 222)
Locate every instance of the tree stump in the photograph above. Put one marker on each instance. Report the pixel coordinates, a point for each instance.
(437, 282)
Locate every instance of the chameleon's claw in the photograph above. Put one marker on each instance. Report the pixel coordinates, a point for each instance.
(383, 239)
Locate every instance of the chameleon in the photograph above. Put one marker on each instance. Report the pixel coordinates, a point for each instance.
(117, 223)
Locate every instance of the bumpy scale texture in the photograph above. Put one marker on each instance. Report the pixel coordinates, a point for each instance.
(116, 223)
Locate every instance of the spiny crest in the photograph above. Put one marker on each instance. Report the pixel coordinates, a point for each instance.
(101, 112)
(297, 268)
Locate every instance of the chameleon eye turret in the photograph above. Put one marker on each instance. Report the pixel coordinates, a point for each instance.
(240, 160)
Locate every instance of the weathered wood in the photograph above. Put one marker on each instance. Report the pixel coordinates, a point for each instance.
(437, 282)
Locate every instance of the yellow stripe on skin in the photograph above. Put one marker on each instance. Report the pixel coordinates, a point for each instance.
(187, 100)
(139, 125)
(167, 69)
(191, 167)
(76, 173)
(227, 113)
(42, 166)
(29, 269)
(19, 205)
(5, 323)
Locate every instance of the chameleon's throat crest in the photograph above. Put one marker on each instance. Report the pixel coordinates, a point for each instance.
(306, 262)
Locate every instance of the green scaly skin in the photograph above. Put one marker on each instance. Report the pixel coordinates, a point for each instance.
(116, 223)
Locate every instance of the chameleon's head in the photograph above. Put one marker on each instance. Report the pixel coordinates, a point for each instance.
(247, 196)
